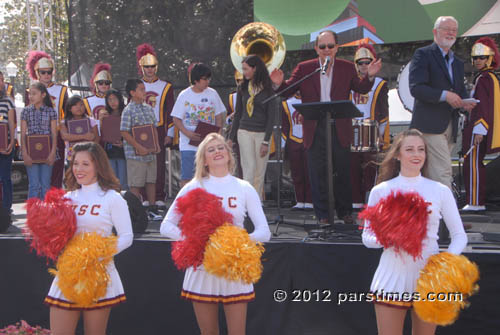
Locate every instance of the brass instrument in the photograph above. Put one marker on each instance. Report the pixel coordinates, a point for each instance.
(261, 39)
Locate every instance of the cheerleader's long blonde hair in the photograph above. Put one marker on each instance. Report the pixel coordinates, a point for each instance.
(201, 170)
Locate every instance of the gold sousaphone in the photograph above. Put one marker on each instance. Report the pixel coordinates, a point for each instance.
(261, 39)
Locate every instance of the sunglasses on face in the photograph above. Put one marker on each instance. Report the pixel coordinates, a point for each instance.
(329, 45)
(45, 72)
(479, 57)
(363, 62)
(103, 82)
(149, 66)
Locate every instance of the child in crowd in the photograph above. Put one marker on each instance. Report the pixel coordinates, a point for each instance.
(39, 118)
(196, 103)
(75, 110)
(141, 162)
(116, 155)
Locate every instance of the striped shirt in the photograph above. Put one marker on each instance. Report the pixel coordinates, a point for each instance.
(5, 106)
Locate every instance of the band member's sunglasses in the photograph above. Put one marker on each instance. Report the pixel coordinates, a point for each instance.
(329, 45)
(45, 72)
(363, 62)
(479, 57)
(149, 66)
(103, 82)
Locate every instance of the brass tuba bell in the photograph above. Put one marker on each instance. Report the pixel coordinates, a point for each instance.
(261, 39)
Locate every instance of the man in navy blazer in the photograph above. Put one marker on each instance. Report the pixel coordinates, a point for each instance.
(437, 84)
(340, 78)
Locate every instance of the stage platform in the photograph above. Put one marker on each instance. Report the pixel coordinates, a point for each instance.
(317, 271)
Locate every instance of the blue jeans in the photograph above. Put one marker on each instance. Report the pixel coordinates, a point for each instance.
(187, 164)
(39, 180)
(5, 173)
(119, 165)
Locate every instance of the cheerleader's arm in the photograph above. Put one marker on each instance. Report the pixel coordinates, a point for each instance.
(256, 214)
(368, 237)
(120, 218)
(453, 222)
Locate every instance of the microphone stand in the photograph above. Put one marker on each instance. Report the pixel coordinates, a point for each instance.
(280, 217)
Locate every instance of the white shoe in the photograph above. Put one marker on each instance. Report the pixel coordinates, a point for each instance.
(145, 203)
(299, 205)
(357, 205)
(154, 217)
(160, 203)
(474, 208)
(308, 205)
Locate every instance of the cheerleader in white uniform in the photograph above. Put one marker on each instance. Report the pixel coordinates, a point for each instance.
(98, 208)
(214, 163)
(397, 273)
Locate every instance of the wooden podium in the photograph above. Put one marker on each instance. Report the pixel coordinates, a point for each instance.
(327, 112)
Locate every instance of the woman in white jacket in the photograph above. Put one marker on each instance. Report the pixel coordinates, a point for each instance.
(396, 276)
(214, 164)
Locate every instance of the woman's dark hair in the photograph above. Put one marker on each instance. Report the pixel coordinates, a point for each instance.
(105, 175)
(68, 115)
(261, 76)
(199, 71)
(390, 165)
(131, 85)
(47, 101)
(119, 96)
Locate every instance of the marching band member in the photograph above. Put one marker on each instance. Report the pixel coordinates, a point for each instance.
(160, 96)
(482, 131)
(374, 106)
(40, 67)
(292, 135)
(100, 83)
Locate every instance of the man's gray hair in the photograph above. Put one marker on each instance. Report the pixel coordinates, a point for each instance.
(444, 18)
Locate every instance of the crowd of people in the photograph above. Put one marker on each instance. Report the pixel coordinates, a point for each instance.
(419, 159)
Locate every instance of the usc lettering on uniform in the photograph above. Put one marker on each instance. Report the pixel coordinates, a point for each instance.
(83, 209)
(231, 201)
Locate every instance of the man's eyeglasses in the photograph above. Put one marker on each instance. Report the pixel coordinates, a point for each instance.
(449, 30)
(149, 66)
(104, 82)
(479, 57)
(45, 72)
(363, 62)
(329, 45)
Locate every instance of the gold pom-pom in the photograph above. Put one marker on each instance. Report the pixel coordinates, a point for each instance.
(449, 279)
(230, 253)
(81, 268)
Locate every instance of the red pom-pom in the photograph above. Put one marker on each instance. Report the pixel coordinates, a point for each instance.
(399, 221)
(50, 223)
(202, 214)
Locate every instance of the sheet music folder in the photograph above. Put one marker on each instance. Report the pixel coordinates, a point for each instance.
(339, 109)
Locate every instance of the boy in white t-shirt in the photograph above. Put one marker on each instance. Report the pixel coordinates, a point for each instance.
(196, 103)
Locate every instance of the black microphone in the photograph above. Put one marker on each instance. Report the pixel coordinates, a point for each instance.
(325, 65)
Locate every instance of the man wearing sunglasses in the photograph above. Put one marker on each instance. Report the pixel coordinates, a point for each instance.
(336, 83)
(437, 83)
(375, 107)
(100, 83)
(41, 68)
(482, 131)
(160, 96)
